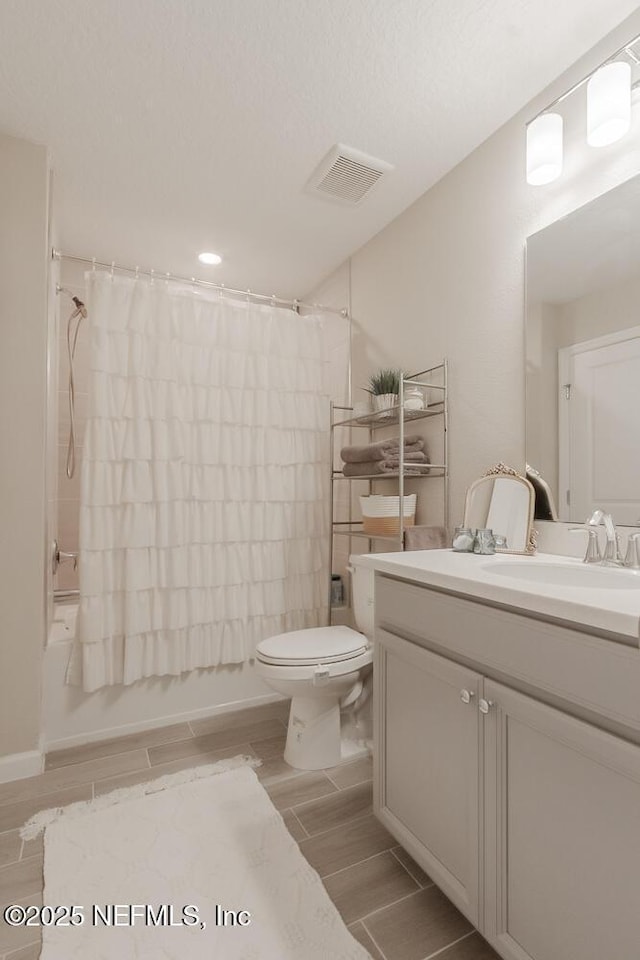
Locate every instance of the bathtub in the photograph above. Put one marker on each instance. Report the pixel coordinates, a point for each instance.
(71, 717)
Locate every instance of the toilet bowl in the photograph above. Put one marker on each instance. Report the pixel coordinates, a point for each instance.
(327, 673)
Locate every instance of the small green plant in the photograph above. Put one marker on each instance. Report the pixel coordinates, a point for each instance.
(384, 381)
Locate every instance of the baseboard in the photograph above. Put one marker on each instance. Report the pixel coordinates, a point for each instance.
(107, 733)
(17, 766)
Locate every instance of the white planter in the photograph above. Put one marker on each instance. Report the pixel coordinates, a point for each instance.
(383, 401)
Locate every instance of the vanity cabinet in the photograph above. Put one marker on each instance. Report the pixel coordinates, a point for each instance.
(527, 816)
(561, 834)
(428, 764)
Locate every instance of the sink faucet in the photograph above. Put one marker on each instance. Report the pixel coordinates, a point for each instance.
(611, 556)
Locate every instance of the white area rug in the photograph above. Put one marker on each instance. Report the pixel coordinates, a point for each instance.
(208, 838)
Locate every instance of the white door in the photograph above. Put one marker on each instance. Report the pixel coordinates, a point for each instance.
(599, 430)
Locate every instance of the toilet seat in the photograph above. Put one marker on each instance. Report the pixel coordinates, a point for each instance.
(311, 647)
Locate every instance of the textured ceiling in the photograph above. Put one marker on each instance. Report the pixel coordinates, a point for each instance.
(176, 126)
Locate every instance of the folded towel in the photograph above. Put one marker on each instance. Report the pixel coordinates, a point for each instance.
(381, 449)
(409, 457)
(383, 467)
(425, 538)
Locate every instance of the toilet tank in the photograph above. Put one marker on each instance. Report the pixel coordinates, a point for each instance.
(362, 580)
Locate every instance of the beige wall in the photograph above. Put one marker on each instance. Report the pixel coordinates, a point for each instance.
(23, 380)
(446, 278)
(604, 311)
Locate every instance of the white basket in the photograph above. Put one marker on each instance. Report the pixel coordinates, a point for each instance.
(381, 515)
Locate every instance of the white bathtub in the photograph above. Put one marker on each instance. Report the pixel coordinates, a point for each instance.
(71, 717)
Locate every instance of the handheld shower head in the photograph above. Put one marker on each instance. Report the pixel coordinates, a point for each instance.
(81, 310)
(80, 307)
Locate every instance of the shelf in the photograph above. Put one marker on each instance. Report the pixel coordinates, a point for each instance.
(390, 417)
(395, 420)
(338, 474)
(353, 530)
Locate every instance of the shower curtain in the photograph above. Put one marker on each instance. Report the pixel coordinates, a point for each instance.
(204, 486)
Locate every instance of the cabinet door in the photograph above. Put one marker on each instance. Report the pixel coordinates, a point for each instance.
(562, 834)
(426, 763)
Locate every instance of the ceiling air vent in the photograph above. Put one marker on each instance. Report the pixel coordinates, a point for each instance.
(347, 175)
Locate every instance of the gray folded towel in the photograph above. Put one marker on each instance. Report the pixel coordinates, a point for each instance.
(366, 468)
(381, 449)
(425, 538)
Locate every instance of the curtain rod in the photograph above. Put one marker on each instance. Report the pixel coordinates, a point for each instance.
(295, 305)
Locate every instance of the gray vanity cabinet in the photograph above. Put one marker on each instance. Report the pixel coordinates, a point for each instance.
(526, 813)
(561, 834)
(427, 762)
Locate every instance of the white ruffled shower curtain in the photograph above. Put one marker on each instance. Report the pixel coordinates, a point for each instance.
(204, 488)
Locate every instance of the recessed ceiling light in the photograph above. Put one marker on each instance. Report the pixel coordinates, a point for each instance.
(211, 259)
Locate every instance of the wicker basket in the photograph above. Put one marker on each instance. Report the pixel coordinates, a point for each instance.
(381, 515)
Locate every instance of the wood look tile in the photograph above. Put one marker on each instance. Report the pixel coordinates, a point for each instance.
(417, 926)
(14, 938)
(423, 879)
(20, 880)
(108, 748)
(274, 769)
(473, 947)
(348, 774)
(162, 769)
(297, 789)
(31, 952)
(33, 848)
(358, 931)
(293, 825)
(322, 815)
(276, 710)
(73, 775)
(348, 844)
(219, 740)
(10, 844)
(13, 815)
(271, 748)
(368, 886)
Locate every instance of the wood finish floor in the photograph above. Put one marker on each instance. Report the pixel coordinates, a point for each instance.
(390, 905)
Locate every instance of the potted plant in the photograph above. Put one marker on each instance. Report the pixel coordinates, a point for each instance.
(384, 387)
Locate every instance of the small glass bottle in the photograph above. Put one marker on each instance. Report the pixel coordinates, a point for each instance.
(413, 399)
(463, 540)
(485, 543)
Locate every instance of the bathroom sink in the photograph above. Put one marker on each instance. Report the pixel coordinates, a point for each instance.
(582, 576)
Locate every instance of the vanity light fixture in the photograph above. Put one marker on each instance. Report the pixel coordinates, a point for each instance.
(544, 149)
(211, 259)
(609, 89)
(609, 104)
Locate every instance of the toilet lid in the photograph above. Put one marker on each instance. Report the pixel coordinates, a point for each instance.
(314, 645)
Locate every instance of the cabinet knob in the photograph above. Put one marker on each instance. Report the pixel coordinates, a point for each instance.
(466, 695)
(485, 705)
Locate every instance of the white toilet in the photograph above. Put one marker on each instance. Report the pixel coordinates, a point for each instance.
(327, 673)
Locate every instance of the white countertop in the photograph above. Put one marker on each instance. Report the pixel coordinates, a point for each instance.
(478, 577)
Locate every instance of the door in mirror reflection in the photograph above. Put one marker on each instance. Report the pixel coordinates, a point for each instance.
(599, 436)
(583, 293)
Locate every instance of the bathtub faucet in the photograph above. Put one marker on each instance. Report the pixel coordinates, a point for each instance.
(59, 556)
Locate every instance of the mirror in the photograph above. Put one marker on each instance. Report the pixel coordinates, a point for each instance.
(502, 501)
(582, 341)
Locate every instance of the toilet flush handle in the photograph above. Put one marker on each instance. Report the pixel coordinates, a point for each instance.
(321, 675)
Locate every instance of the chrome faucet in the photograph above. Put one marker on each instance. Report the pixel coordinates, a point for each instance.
(632, 559)
(611, 557)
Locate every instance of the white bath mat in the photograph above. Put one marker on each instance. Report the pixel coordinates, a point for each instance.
(213, 849)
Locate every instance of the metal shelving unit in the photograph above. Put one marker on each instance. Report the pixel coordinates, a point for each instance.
(383, 419)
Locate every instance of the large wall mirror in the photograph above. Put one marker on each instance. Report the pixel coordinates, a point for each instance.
(583, 357)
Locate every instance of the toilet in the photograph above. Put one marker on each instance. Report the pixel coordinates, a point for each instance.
(327, 673)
